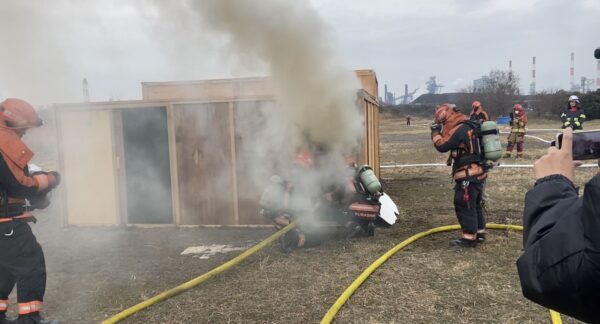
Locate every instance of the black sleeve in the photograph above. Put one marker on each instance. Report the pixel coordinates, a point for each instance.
(454, 141)
(10, 184)
(560, 267)
(591, 218)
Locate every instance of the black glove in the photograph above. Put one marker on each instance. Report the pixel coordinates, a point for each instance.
(57, 178)
(39, 201)
(436, 128)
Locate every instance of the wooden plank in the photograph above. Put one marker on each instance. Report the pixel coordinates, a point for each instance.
(173, 164)
(204, 166)
(119, 159)
(254, 167)
(234, 192)
(89, 168)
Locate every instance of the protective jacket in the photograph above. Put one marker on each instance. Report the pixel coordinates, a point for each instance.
(479, 115)
(518, 123)
(573, 118)
(16, 183)
(560, 265)
(463, 145)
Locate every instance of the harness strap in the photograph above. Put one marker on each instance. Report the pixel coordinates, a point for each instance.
(27, 217)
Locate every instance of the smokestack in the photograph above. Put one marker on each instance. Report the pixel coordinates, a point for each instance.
(532, 86)
(86, 91)
(405, 93)
(385, 95)
(509, 70)
(572, 71)
(598, 76)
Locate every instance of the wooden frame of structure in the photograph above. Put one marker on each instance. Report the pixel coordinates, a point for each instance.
(92, 154)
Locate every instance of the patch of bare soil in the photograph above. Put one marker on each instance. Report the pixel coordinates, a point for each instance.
(96, 272)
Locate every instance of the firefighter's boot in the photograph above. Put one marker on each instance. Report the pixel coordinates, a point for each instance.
(4, 320)
(463, 242)
(34, 318)
(481, 237)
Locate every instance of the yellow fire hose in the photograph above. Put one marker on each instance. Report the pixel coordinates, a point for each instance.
(363, 276)
(194, 282)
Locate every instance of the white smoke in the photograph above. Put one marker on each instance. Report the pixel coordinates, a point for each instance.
(316, 94)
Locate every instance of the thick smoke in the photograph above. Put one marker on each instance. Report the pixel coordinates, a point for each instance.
(316, 94)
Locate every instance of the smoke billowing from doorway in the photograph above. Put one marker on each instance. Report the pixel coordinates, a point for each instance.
(316, 94)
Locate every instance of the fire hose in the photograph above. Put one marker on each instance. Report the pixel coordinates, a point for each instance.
(198, 280)
(555, 317)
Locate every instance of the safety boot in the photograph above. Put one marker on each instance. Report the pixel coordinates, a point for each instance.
(507, 155)
(519, 155)
(34, 318)
(5, 320)
(480, 237)
(463, 242)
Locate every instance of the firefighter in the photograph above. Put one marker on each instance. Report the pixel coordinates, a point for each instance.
(452, 131)
(478, 114)
(518, 121)
(21, 190)
(573, 116)
(560, 264)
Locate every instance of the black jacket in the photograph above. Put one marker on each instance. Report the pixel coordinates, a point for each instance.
(560, 266)
(573, 119)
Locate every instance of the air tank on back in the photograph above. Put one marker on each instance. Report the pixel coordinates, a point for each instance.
(492, 148)
(369, 179)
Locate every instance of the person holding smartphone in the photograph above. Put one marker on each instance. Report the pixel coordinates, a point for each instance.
(573, 116)
(560, 265)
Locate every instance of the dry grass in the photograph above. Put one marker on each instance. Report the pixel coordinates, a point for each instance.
(428, 282)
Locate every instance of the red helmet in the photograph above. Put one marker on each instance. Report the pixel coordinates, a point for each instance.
(443, 111)
(19, 114)
(476, 104)
(304, 159)
(517, 107)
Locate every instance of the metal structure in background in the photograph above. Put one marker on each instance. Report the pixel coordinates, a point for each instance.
(532, 90)
(390, 99)
(86, 91)
(432, 86)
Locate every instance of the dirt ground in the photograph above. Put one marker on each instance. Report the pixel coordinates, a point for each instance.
(93, 273)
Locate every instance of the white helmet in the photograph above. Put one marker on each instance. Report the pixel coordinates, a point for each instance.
(574, 98)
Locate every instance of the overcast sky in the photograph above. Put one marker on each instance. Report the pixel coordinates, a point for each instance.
(48, 47)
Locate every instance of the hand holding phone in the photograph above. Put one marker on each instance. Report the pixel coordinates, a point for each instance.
(557, 161)
(585, 145)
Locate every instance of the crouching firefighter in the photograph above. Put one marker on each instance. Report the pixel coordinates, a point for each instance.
(293, 198)
(21, 190)
(452, 131)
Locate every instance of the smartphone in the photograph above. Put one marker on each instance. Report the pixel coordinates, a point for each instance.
(586, 144)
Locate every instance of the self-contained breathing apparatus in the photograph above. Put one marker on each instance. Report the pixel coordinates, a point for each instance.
(360, 205)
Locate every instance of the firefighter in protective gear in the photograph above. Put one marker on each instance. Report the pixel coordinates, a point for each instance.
(21, 257)
(573, 116)
(518, 121)
(478, 114)
(452, 131)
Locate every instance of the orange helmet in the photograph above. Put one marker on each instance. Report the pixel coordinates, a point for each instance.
(304, 159)
(19, 114)
(443, 111)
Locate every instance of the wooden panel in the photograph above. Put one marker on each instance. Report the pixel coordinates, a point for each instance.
(252, 159)
(204, 164)
(89, 167)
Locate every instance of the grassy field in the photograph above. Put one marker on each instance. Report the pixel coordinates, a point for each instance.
(94, 273)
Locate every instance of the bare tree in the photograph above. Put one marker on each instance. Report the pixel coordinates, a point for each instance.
(498, 94)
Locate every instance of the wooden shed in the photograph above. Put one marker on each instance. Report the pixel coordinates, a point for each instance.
(152, 161)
